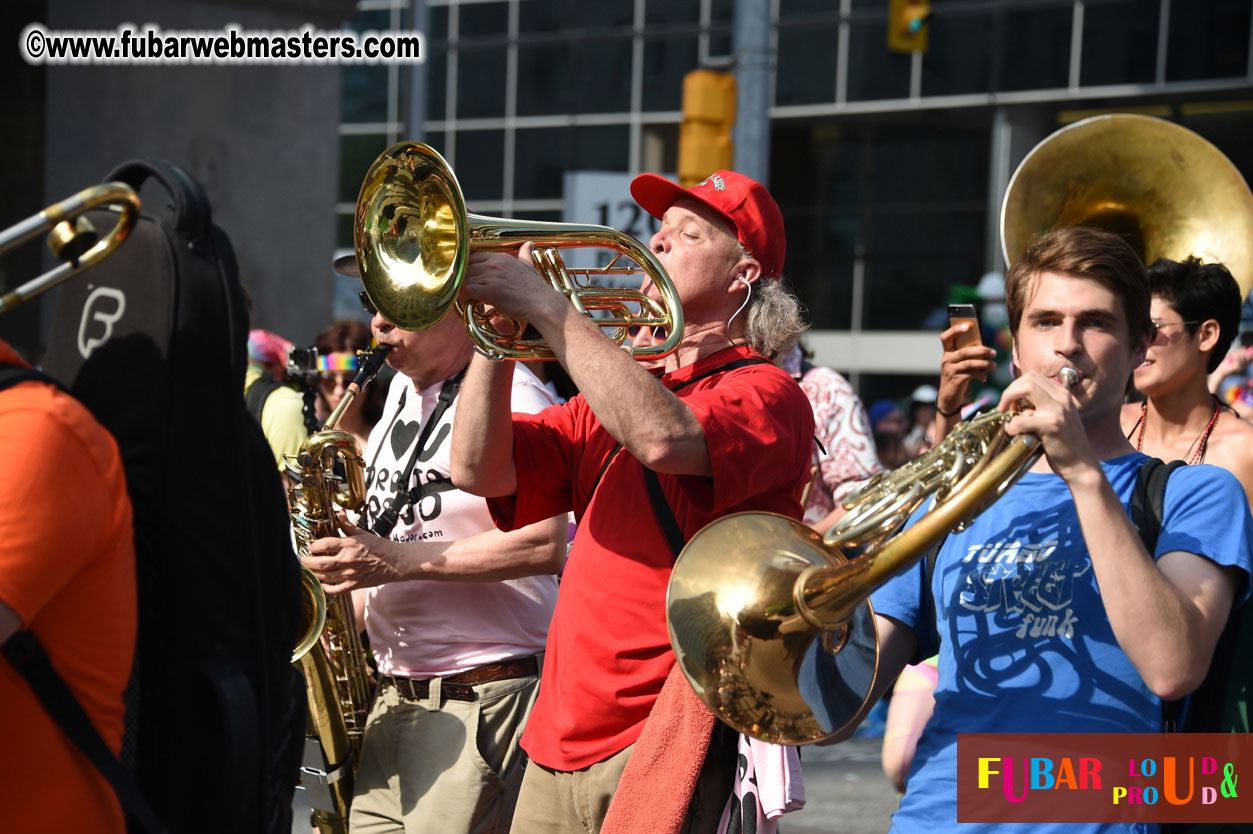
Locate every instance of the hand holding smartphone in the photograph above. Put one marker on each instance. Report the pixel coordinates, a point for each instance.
(964, 314)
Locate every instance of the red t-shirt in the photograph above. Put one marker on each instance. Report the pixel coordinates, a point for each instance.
(67, 569)
(608, 650)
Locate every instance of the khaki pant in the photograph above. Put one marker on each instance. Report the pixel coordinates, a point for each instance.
(442, 767)
(568, 802)
(575, 802)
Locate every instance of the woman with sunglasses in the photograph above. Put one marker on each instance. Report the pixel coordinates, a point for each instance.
(337, 365)
(1196, 312)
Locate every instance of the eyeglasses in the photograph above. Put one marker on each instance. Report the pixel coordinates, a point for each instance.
(1158, 325)
(366, 304)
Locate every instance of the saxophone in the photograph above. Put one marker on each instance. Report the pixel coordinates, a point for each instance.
(330, 654)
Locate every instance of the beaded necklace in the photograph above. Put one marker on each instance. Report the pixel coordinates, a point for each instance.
(1201, 441)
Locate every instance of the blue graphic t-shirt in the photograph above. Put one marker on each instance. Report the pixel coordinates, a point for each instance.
(1024, 643)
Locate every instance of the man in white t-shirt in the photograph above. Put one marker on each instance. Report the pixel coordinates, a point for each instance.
(457, 612)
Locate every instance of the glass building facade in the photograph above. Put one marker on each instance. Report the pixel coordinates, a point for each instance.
(889, 167)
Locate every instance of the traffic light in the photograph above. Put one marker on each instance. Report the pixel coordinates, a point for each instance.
(907, 25)
(705, 143)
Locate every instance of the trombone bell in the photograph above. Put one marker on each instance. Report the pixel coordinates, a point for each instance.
(71, 237)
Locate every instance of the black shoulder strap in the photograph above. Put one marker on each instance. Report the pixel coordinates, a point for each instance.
(661, 507)
(665, 516)
(259, 392)
(929, 560)
(729, 366)
(11, 375)
(28, 658)
(404, 496)
(1148, 501)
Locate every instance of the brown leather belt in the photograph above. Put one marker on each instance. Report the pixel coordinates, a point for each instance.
(460, 687)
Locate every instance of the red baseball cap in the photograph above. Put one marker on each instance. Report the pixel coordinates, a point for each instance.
(743, 202)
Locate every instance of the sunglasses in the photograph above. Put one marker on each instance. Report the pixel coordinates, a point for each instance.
(366, 304)
(1158, 325)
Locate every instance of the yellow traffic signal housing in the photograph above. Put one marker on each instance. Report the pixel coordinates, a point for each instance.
(907, 25)
(705, 143)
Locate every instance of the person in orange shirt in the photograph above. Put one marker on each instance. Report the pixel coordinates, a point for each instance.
(67, 573)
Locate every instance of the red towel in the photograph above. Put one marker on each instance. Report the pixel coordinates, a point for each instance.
(657, 783)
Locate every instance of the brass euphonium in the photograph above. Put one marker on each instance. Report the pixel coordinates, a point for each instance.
(413, 239)
(330, 474)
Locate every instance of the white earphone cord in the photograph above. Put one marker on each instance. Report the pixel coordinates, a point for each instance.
(749, 295)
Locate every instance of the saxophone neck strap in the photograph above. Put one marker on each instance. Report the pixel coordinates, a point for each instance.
(403, 497)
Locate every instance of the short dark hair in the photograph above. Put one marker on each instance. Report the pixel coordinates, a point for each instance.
(1199, 292)
(1083, 252)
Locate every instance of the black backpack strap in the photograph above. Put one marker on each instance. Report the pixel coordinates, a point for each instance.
(1148, 502)
(928, 574)
(11, 375)
(28, 658)
(259, 392)
(404, 496)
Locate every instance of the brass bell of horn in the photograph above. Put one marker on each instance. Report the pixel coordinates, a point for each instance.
(1168, 191)
(413, 238)
(770, 623)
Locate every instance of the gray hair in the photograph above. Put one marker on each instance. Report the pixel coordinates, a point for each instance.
(774, 318)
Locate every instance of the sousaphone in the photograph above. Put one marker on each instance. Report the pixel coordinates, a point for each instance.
(1166, 190)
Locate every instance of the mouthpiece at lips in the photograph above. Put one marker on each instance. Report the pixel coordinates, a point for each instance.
(1069, 377)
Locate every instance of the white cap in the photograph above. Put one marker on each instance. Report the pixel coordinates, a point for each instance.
(924, 394)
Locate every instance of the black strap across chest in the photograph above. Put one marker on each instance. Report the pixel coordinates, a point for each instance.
(661, 507)
(404, 496)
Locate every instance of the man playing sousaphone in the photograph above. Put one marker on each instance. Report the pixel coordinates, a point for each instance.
(644, 461)
(1047, 612)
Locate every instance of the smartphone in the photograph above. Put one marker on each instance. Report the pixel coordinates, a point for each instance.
(965, 314)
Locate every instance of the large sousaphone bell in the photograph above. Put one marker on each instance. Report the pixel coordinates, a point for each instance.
(1166, 190)
(413, 239)
(769, 622)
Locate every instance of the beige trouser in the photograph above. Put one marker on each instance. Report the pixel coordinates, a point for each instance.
(575, 802)
(568, 802)
(452, 767)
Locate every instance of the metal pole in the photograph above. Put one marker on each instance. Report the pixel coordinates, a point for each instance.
(754, 68)
(417, 79)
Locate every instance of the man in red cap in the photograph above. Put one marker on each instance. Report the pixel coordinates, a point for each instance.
(716, 429)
